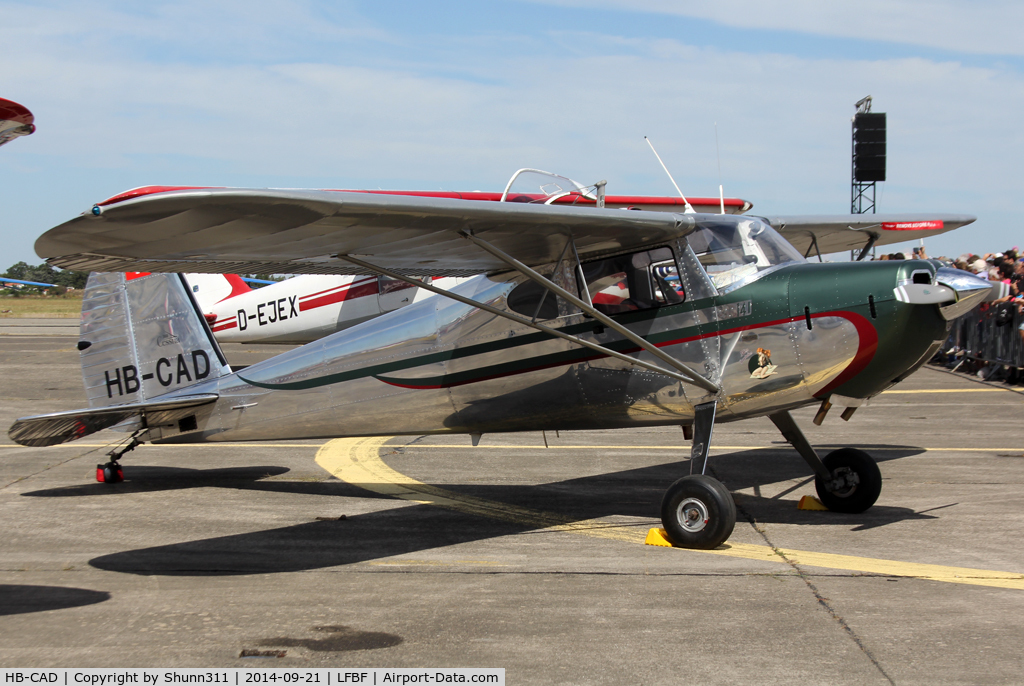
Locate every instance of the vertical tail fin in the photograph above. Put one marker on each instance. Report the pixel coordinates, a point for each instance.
(210, 289)
(143, 336)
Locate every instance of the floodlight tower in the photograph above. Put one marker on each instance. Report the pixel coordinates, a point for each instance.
(868, 156)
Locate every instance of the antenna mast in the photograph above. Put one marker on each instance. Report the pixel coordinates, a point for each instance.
(718, 154)
(688, 207)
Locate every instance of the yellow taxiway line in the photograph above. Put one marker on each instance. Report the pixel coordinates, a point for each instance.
(357, 461)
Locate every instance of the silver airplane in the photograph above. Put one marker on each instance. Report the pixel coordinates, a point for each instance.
(575, 318)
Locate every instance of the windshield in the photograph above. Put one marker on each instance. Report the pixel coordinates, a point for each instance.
(734, 252)
(536, 186)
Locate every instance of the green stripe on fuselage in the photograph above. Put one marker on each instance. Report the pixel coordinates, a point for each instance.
(540, 361)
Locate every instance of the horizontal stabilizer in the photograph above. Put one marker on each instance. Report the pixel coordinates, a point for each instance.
(61, 427)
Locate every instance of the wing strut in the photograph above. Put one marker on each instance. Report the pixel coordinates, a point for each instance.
(558, 264)
(867, 246)
(516, 318)
(695, 378)
(813, 246)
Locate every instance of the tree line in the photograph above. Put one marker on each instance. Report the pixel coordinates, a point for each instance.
(44, 273)
(67, 278)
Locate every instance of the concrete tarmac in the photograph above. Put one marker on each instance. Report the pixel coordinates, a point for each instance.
(427, 552)
(39, 326)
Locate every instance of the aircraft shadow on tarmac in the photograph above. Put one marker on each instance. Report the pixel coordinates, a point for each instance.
(16, 599)
(146, 479)
(411, 528)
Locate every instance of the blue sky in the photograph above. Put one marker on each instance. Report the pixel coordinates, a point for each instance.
(458, 95)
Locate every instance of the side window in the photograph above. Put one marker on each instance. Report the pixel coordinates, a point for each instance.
(668, 287)
(638, 281)
(533, 300)
(528, 296)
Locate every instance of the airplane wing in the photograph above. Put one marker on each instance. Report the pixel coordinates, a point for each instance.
(4, 279)
(59, 427)
(15, 120)
(826, 233)
(219, 230)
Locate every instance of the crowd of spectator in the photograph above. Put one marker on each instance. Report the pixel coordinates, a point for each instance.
(1007, 267)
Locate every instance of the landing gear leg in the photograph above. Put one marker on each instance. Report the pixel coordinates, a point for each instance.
(698, 511)
(847, 480)
(111, 472)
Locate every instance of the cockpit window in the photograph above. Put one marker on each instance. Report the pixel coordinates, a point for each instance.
(624, 283)
(733, 253)
(638, 281)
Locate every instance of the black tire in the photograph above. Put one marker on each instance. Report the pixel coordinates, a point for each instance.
(112, 474)
(852, 499)
(698, 512)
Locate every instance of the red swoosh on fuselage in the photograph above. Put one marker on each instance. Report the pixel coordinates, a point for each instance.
(867, 345)
(350, 293)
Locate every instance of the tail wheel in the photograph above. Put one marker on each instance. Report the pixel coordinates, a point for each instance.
(109, 473)
(856, 481)
(698, 512)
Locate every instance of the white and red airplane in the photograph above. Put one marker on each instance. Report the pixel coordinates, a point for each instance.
(15, 120)
(300, 309)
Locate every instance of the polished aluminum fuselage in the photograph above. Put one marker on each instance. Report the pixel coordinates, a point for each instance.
(438, 366)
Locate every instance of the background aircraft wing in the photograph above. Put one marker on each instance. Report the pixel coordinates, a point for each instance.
(300, 232)
(835, 233)
(15, 120)
(5, 280)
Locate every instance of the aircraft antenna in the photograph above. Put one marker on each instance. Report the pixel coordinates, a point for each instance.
(689, 208)
(718, 154)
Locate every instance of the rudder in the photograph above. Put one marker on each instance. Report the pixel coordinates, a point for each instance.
(142, 336)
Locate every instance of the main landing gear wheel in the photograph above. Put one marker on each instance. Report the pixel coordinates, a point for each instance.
(856, 481)
(698, 512)
(109, 473)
